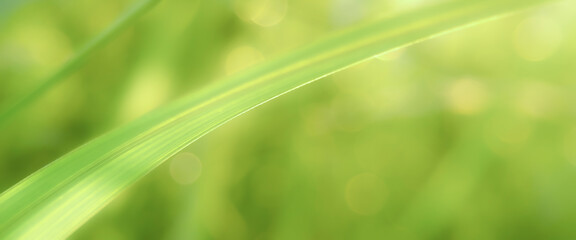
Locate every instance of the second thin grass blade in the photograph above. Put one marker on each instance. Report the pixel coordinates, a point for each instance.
(59, 198)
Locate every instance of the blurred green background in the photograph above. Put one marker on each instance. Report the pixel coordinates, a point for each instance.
(467, 136)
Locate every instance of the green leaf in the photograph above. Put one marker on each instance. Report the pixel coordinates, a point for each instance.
(78, 60)
(59, 198)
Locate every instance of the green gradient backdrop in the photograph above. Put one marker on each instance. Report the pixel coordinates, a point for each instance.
(468, 136)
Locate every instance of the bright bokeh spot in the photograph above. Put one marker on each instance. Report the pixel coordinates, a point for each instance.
(265, 13)
(468, 136)
(151, 88)
(538, 99)
(42, 43)
(466, 96)
(347, 12)
(185, 168)
(537, 38)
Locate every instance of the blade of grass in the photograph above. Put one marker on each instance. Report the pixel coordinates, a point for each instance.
(81, 56)
(57, 199)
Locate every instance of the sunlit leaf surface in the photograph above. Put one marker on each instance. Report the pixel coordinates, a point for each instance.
(59, 198)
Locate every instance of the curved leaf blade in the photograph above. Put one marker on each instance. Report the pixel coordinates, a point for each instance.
(57, 199)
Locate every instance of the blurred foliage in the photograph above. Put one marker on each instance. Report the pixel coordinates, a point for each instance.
(468, 136)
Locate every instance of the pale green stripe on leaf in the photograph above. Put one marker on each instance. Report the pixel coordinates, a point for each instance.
(60, 197)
